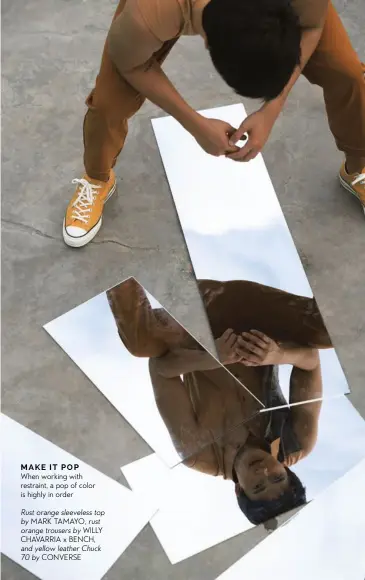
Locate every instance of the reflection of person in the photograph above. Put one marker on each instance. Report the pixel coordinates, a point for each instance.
(244, 38)
(244, 305)
(213, 422)
(238, 304)
(265, 487)
(198, 402)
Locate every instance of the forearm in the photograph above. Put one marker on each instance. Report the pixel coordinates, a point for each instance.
(303, 358)
(305, 426)
(135, 319)
(175, 408)
(310, 40)
(151, 82)
(305, 417)
(182, 361)
(305, 385)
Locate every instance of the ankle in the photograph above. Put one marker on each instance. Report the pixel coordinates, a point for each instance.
(99, 176)
(354, 164)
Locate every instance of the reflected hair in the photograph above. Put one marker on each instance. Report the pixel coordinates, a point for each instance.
(259, 511)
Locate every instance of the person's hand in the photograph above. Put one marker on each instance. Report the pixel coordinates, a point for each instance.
(257, 127)
(292, 459)
(213, 136)
(257, 349)
(227, 348)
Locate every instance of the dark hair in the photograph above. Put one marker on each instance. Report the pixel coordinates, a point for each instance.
(254, 44)
(259, 511)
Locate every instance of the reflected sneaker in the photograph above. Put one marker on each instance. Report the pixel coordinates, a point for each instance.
(84, 213)
(354, 183)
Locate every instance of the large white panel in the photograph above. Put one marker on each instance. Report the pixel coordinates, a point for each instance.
(88, 335)
(325, 541)
(126, 512)
(198, 511)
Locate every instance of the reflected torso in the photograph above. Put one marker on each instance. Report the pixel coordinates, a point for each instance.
(227, 413)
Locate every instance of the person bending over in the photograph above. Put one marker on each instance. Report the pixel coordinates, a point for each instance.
(259, 48)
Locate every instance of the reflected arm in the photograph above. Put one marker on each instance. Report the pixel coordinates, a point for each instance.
(183, 360)
(304, 386)
(175, 407)
(135, 319)
(300, 357)
(306, 379)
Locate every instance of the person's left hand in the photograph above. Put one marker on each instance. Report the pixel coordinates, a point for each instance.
(258, 127)
(292, 459)
(257, 349)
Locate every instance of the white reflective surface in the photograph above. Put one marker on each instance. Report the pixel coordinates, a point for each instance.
(325, 541)
(89, 336)
(198, 511)
(126, 512)
(232, 220)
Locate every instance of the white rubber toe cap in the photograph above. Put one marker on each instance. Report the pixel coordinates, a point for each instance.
(75, 232)
(77, 237)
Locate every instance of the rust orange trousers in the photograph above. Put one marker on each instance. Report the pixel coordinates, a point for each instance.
(334, 66)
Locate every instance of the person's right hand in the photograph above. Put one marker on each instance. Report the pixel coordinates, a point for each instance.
(227, 348)
(213, 136)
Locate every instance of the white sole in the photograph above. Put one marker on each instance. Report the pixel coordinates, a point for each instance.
(348, 187)
(74, 242)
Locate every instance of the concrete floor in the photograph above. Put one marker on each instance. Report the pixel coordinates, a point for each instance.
(51, 52)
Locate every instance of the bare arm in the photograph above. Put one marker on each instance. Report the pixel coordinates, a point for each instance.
(310, 39)
(135, 319)
(305, 383)
(304, 386)
(302, 358)
(182, 361)
(258, 125)
(133, 47)
(305, 419)
(312, 14)
(175, 407)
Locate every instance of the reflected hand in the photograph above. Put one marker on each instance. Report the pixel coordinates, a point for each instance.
(213, 136)
(227, 348)
(292, 459)
(257, 349)
(258, 127)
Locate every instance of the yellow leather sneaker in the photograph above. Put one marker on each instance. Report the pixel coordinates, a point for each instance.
(354, 183)
(84, 213)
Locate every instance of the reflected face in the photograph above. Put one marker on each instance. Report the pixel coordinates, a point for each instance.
(261, 476)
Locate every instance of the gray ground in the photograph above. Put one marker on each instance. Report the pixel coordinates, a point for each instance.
(51, 55)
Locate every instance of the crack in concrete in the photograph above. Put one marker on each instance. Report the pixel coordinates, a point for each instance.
(35, 231)
(99, 242)
(29, 229)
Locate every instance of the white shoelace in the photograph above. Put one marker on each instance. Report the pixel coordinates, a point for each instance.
(359, 179)
(85, 199)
